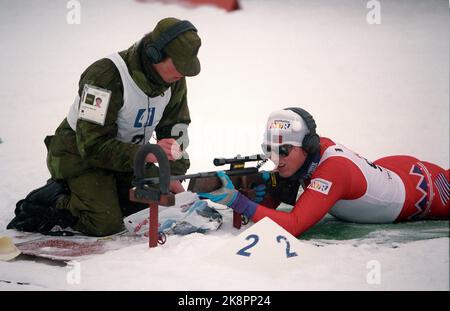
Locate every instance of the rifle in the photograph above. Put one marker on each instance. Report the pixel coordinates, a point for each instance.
(243, 179)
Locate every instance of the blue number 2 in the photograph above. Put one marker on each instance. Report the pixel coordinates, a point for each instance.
(243, 251)
(289, 254)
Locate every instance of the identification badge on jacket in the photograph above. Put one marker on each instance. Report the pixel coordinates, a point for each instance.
(94, 104)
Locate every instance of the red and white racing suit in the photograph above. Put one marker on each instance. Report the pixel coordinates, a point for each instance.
(351, 188)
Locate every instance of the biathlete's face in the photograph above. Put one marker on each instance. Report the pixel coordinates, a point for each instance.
(166, 69)
(287, 158)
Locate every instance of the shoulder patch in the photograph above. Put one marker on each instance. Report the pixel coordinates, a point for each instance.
(320, 185)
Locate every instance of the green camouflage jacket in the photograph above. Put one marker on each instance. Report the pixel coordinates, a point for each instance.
(71, 153)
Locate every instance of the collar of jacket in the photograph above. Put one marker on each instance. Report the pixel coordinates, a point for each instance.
(308, 168)
(142, 72)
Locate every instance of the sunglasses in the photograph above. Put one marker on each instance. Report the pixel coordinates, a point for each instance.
(282, 151)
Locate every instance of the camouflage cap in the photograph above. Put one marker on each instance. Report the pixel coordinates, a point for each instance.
(183, 49)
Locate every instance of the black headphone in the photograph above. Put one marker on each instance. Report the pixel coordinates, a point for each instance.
(154, 51)
(311, 141)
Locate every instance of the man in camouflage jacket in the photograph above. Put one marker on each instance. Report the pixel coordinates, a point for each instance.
(91, 157)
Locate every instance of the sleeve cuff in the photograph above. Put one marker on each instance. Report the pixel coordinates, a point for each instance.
(244, 206)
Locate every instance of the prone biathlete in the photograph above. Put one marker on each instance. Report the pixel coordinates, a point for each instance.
(337, 181)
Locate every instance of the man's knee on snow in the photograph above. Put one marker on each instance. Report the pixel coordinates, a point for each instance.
(99, 225)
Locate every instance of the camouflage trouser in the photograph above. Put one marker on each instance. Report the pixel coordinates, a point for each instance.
(99, 199)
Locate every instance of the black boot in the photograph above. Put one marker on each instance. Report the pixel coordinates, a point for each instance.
(45, 195)
(38, 212)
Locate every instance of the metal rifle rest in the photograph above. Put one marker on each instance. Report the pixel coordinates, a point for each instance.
(142, 193)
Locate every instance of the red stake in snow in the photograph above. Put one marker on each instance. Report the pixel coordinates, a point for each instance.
(142, 193)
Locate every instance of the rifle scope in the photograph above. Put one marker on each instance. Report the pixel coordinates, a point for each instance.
(239, 159)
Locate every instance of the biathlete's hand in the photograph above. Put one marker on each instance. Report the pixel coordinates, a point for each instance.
(229, 196)
(225, 195)
(260, 189)
(170, 147)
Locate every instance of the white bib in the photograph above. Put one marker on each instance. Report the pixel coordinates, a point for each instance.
(139, 115)
(384, 197)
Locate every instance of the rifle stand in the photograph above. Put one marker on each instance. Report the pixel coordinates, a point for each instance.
(164, 200)
(238, 219)
(143, 193)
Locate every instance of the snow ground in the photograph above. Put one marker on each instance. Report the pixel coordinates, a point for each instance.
(379, 89)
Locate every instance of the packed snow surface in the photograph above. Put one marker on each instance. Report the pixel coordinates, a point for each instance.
(380, 89)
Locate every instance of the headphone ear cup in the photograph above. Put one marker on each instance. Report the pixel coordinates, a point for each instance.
(153, 54)
(306, 143)
(311, 143)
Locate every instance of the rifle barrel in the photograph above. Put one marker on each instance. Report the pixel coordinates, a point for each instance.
(155, 180)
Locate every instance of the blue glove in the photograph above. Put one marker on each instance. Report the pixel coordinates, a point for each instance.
(260, 193)
(260, 190)
(225, 195)
(229, 196)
